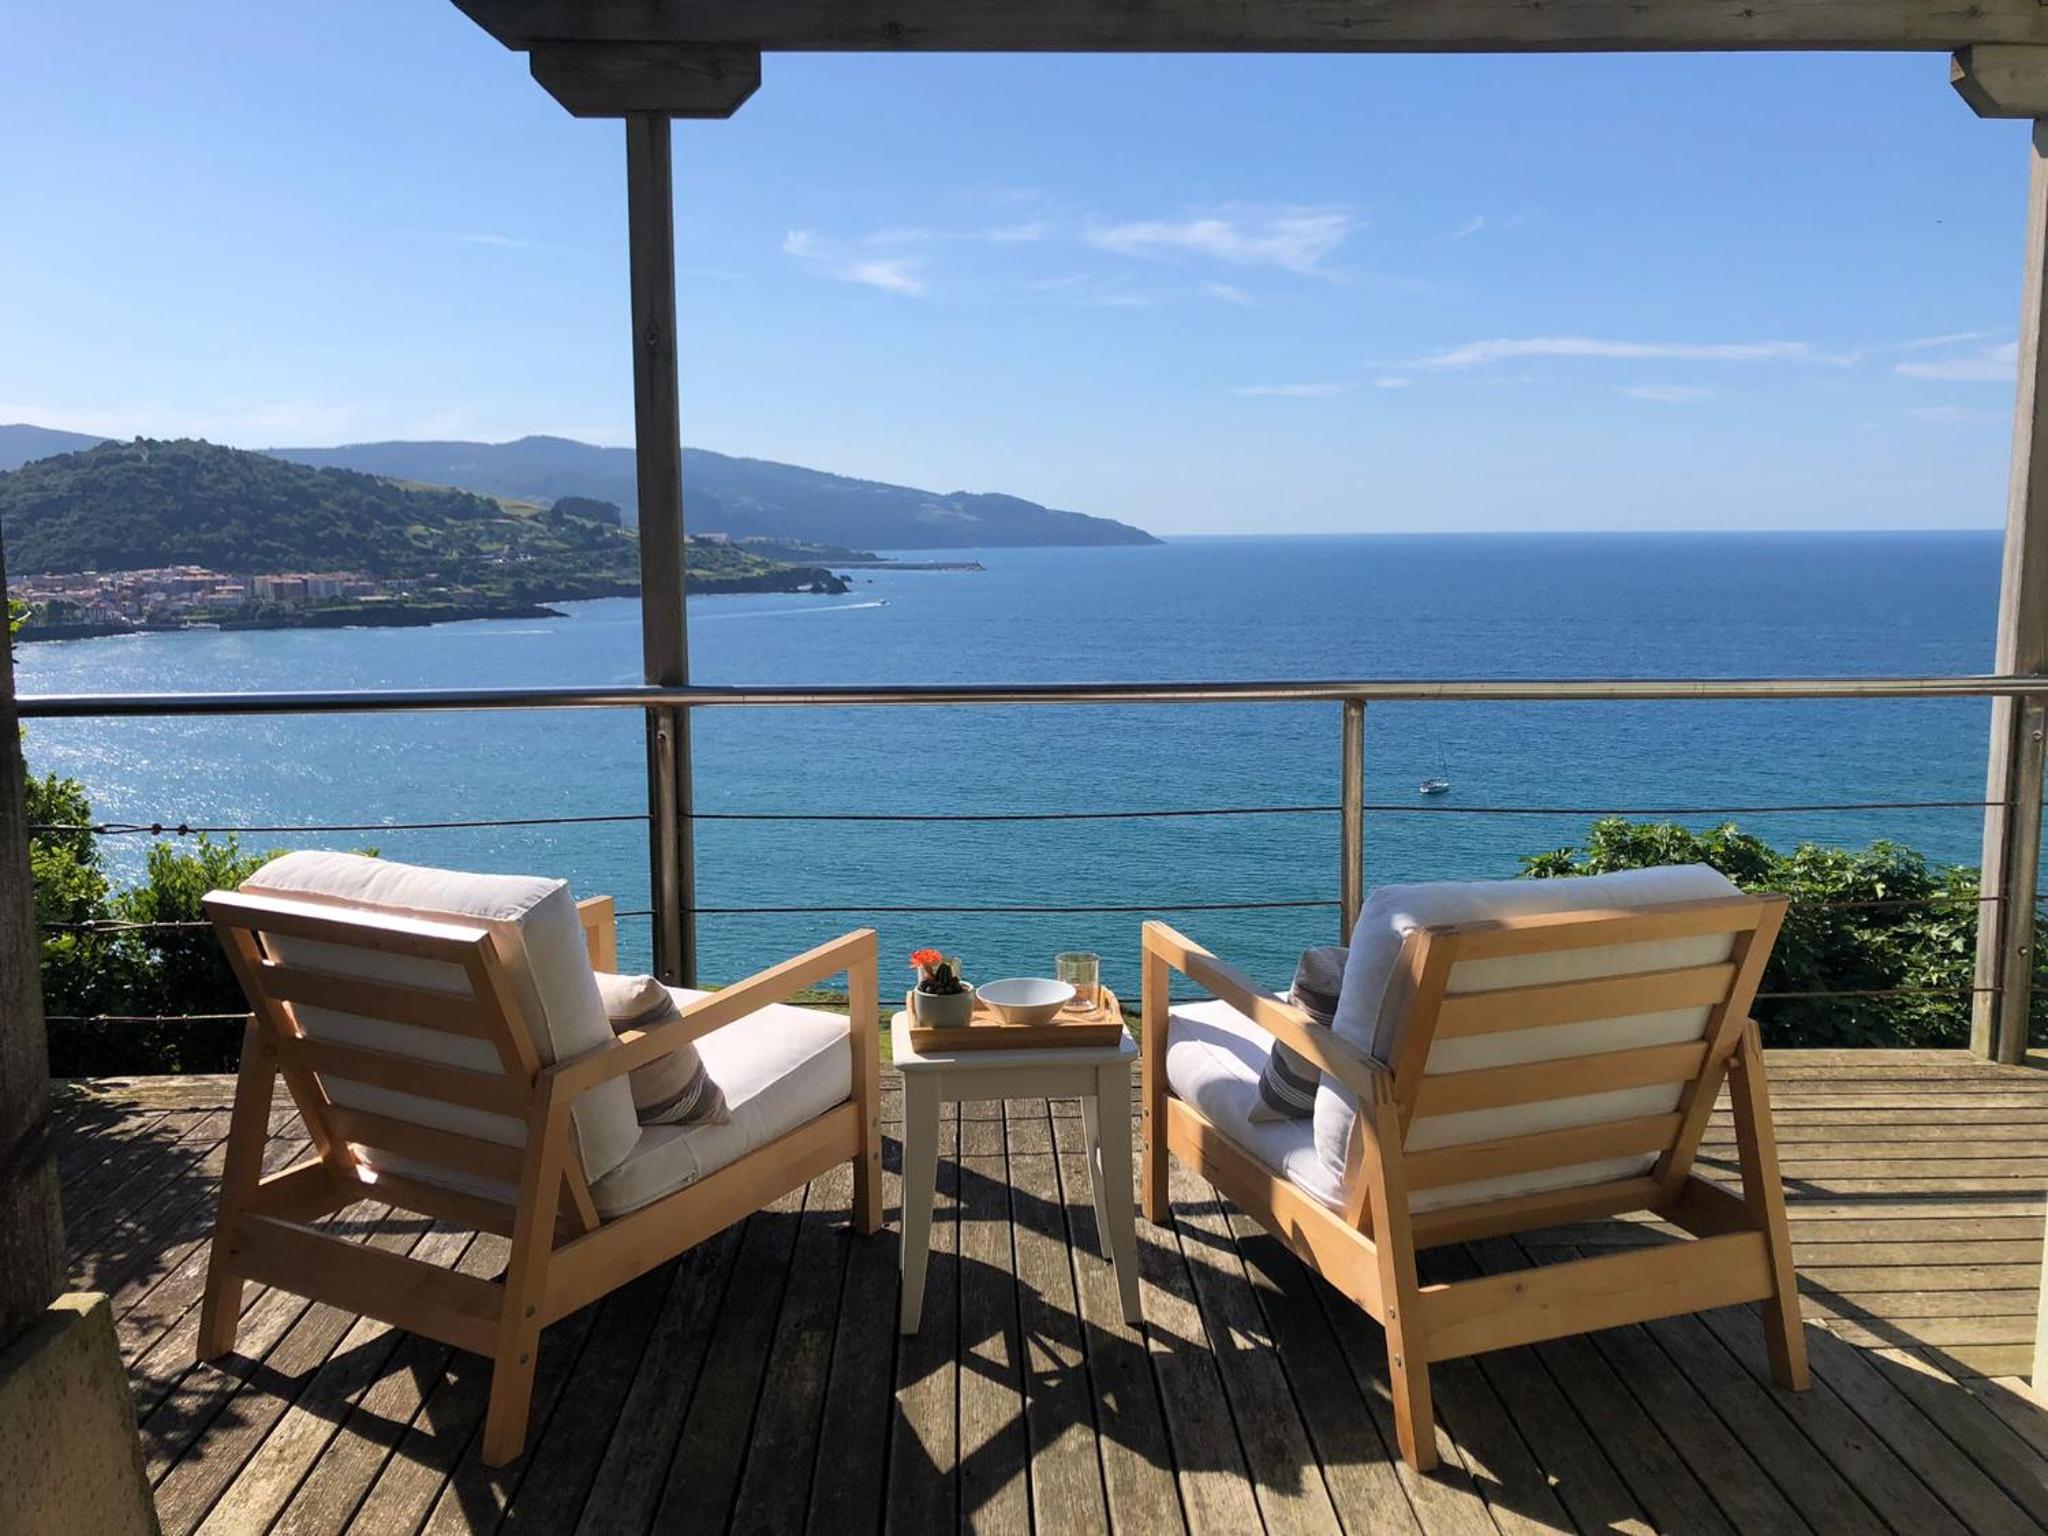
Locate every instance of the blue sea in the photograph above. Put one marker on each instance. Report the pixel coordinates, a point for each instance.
(1223, 608)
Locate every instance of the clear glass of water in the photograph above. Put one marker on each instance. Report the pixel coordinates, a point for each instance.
(1083, 972)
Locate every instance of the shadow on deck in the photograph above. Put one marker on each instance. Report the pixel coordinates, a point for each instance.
(758, 1384)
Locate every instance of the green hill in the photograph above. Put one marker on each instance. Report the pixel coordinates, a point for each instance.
(140, 504)
(743, 498)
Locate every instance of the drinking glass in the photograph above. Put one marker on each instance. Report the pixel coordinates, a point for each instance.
(1083, 972)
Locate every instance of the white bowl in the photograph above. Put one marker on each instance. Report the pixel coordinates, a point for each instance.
(1026, 999)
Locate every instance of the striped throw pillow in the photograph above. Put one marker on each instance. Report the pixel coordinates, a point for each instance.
(672, 1089)
(1287, 1088)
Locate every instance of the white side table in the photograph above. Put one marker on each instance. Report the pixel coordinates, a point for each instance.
(1098, 1075)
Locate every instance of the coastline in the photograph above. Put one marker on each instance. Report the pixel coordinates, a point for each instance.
(405, 614)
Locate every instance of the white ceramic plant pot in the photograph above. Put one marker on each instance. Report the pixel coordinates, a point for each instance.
(943, 1010)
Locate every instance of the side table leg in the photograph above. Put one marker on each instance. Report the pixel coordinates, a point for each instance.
(920, 1180)
(1119, 1221)
(1091, 1138)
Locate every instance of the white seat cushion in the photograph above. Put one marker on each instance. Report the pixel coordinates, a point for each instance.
(1214, 1056)
(779, 1068)
(1371, 1014)
(534, 924)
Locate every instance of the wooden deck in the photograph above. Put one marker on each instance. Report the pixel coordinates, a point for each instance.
(759, 1385)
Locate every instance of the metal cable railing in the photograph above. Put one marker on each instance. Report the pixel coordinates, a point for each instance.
(192, 829)
(1352, 809)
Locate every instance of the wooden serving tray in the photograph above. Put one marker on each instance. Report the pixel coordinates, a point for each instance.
(1072, 1027)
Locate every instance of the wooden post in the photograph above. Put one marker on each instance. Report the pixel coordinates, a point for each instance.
(2012, 821)
(658, 452)
(1351, 832)
(31, 1228)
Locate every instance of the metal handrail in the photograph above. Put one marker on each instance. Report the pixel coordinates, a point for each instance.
(58, 706)
(673, 703)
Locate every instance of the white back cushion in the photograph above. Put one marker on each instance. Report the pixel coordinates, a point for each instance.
(1371, 1013)
(534, 924)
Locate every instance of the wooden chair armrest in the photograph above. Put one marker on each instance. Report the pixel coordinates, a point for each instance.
(599, 916)
(1282, 1020)
(637, 1047)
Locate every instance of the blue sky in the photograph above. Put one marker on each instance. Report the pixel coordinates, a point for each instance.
(1258, 294)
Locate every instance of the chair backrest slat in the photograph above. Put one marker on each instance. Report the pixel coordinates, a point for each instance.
(1550, 932)
(403, 1038)
(1575, 1002)
(486, 1092)
(420, 1007)
(1552, 1053)
(1511, 1156)
(472, 1155)
(1452, 1093)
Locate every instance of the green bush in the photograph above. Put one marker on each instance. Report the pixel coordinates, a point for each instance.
(105, 991)
(1870, 920)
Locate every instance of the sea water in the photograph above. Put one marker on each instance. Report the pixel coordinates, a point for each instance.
(1219, 609)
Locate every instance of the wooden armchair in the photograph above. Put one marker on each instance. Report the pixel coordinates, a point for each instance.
(1422, 1166)
(496, 1144)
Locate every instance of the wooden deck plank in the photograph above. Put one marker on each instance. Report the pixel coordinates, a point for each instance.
(1137, 1459)
(1270, 1432)
(288, 1452)
(633, 1466)
(472, 1497)
(1914, 1438)
(923, 1488)
(851, 1470)
(253, 1403)
(775, 1484)
(994, 1451)
(1353, 1442)
(1215, 1489)
(1723, 1459)
(1635, 1442)
(711, 1453)
(1254, 1399)
(1067, 1495)
(326, 1500)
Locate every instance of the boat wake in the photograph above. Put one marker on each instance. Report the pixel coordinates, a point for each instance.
(787, 613)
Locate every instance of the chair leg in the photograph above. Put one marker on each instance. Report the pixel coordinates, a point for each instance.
(519, 1323)
(1381, 1167)
(1152, 1090)
(511, 1395)
(1414, 1409)
(1763, 1191)
(220, 1308)
(863, 982)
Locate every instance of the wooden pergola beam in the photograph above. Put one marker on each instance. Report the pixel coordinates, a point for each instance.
(618, 79)
(2002, 79)
(1235, 26)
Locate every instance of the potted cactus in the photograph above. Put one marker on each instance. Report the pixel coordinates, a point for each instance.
(941, 999)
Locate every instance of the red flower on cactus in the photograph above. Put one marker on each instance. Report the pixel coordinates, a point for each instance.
(925, 959)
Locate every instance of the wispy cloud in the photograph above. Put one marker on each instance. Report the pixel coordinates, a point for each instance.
(1391, 381)
(1293, 391)
(485, 237)
(1667, 394)
(891, 274)
(1475, 354)
(1957, 414)
(1994, 364)
(1469, 228)
(1953, 339)
(925, 234)
(1229, 293)
(1292, 239)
